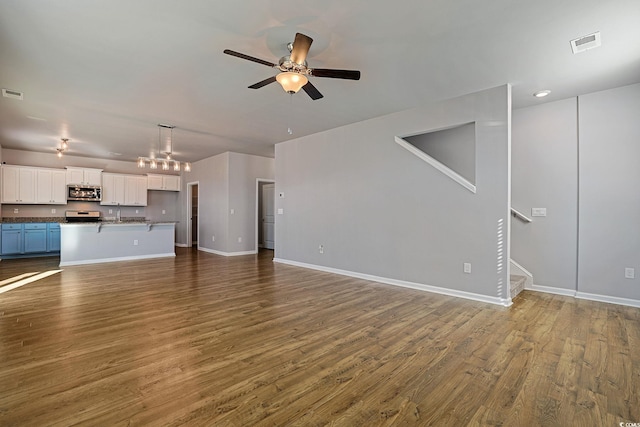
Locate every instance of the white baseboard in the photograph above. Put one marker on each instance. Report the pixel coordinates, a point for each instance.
(215, 252)
(551, 290)
(608, 299)
(182, 245)
(505, 302)
(585, 295)
(125, 258)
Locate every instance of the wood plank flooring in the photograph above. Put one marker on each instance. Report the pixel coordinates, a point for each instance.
(205, 340)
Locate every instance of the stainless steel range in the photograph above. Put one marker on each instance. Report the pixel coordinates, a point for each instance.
(83, 216)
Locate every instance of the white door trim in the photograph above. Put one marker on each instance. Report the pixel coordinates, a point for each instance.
(189, 212)
(257, 217)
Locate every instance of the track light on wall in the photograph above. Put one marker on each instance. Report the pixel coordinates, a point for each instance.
(64, 145)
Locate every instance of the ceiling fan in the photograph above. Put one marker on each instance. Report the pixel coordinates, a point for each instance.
(294, 69)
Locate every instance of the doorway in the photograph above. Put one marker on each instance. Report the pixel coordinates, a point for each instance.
(192, 212)
(265, 214)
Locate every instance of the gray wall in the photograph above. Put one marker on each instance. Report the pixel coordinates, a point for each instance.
(609, 236)
(544, 174)
(212, 175)
(379, 210)
(226, 181)
(244, 170)
(578, 158)
(455, 148)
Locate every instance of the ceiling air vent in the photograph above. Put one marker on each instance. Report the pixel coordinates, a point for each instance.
(8, 93)
(586, 42)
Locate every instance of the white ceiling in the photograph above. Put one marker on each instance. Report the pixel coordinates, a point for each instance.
(104, 73)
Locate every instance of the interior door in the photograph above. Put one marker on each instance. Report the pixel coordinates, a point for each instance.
(268, 218)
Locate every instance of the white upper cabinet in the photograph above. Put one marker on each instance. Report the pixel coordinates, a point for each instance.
(135, 193)
(124, 190)
(84, 176)
(18, 184)
(163, 182)
(112, 189)
(51, 186)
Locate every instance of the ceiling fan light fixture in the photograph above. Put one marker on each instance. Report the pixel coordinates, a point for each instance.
(291, 82)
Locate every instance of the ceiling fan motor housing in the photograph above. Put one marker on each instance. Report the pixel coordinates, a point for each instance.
(286, 64)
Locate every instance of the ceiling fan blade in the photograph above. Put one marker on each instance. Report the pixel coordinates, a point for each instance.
(263, 83)
(312, 91)
(336, 74)
(301, 46)
(248, 58)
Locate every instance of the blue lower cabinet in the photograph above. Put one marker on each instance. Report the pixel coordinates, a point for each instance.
(53, 238)
(35, 238)
(30, 239)
(11, 239)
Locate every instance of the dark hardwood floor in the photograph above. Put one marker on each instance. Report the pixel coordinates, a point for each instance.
(206, 340)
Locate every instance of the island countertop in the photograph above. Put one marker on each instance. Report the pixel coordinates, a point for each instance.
(117, 223)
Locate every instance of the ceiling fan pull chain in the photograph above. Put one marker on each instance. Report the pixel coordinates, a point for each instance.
(289, 130)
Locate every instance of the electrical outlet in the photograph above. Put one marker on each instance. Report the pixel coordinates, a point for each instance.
(137, 211)
(53, 211)
(239, 239)
(466, 267)
(16, 210)
(321, 249)
(213, 238)
(280, 211)
(135, 242)
(233, 211)
(110, 211)
(629, 273)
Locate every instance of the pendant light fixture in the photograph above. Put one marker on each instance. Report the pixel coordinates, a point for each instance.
(155, 160)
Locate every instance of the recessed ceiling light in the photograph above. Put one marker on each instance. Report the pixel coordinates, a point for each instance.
(541, 93)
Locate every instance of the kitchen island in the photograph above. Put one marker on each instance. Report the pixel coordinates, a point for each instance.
(90, 243)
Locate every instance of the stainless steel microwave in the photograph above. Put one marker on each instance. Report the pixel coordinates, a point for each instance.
(86, 193)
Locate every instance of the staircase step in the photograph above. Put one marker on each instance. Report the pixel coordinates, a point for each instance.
(517, 284)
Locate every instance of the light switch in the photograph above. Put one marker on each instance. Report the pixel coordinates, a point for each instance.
(233, 211)
(281, 195)
(538, 211)
(629, 273)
